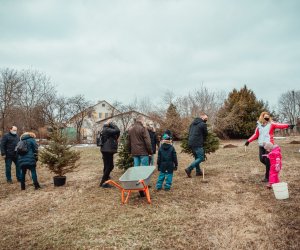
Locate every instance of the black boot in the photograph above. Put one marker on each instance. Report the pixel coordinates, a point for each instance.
(22, 185)
(36, 185)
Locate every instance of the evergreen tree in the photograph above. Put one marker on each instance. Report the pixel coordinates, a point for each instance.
(173, 122)
(211, 144)
(125, 160)
(59, 156)
(239, 113)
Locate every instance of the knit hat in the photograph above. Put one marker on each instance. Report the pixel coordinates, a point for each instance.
(166, 137)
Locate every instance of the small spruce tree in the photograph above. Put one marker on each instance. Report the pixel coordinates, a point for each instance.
(211, 144)
(125, 160)
(59, 156)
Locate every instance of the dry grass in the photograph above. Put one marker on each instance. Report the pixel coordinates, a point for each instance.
(232, 210)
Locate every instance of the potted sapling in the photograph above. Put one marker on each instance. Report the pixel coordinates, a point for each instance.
(59, 157)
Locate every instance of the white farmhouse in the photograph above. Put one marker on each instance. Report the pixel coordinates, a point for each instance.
(100, 111)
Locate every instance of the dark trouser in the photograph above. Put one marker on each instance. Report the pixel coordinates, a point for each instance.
(33, 175)
(264, 160)
(8, 162)
(108, 161)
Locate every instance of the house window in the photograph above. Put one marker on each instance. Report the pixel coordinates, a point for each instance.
(106, 115)
(100, 115)
(103, 104)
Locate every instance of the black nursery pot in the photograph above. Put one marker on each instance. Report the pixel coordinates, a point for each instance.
(59, 180)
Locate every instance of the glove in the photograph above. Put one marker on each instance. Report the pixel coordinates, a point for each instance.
(175, 168)
(247, 143)
(291, 126)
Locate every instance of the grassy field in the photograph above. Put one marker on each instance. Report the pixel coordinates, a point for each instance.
(231, 209)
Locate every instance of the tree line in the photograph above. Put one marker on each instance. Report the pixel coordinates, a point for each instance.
(30, 101)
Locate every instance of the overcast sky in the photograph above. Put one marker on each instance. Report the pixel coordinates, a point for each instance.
(119, 50)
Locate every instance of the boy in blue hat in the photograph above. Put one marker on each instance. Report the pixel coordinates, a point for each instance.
(166, 162)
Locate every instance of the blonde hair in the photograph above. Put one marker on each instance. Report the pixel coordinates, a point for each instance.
(261, 117)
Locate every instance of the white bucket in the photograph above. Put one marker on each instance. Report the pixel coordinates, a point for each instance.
(281, 190)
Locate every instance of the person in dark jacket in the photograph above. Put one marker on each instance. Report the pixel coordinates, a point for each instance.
(167, 162)
(197, 135)
(28, 160)
(8, 144)
(154, 141)
(139, 143)
(109, 146)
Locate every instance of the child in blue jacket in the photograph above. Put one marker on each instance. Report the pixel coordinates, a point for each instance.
(166, 162)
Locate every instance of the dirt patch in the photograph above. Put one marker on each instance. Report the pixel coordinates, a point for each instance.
(295, 142)
(230, 146)
(233, 210)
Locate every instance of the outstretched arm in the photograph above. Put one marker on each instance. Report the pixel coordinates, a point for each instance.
(280, 125)
(254, 136)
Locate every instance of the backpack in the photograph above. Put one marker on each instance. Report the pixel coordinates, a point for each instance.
(100, 139)
(22, 147)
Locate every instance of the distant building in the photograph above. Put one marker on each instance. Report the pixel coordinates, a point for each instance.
(100, 111)
(125, 120)
(103, 110)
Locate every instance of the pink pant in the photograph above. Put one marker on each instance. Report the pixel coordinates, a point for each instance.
(273, 176)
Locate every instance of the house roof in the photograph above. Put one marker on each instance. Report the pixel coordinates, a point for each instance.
(124, 113)
(94, 106)
(106, 103)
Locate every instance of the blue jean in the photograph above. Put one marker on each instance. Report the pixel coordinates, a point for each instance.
(160, 180)
(8, 162)
(141, 160)
(199, 157)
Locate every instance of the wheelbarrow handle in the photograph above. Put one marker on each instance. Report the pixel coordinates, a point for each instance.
(114, 183)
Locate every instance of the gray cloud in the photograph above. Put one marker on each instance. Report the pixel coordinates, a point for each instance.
(121, 49)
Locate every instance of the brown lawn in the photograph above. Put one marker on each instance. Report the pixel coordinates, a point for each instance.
(231, 209)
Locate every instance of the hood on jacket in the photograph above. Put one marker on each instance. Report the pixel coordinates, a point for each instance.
(197, 121)
(166, 145)
(27, 135)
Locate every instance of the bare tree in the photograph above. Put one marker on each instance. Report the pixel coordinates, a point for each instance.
(125, 116)
(36, 91)
(289, 106)
(168, 97)
(56, 110)
(10, 91)
(145, 105)
(80, 108)
(200, 100)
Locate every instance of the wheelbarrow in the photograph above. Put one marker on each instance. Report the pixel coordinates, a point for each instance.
(135, 179)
